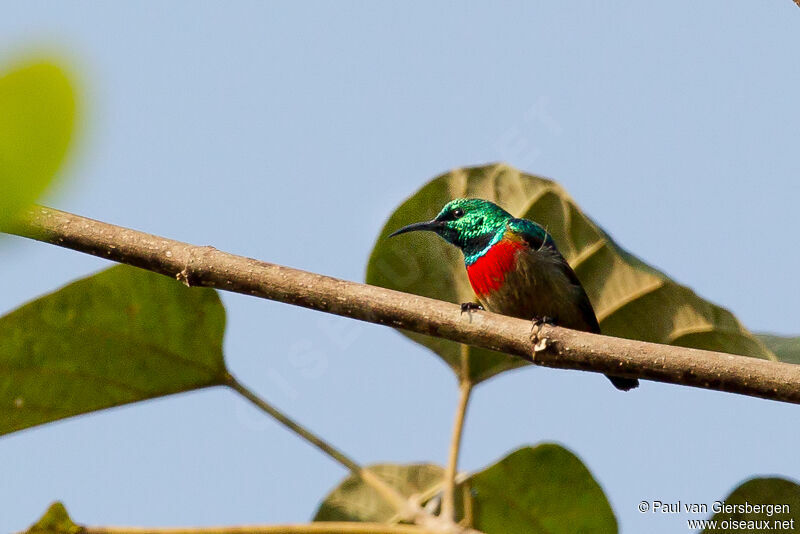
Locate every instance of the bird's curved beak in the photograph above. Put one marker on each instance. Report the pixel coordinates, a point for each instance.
(431, 226)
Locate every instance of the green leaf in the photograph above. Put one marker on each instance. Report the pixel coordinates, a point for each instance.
(787, 349)
(37, 111)
(543, 489)
(55, 520)
(760, 491)
(120, 336)
(352, 500)
(632, 299)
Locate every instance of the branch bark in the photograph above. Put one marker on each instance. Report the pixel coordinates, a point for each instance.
(565, 349)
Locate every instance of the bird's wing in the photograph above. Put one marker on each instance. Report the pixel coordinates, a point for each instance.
(585, 305)
(538, 238)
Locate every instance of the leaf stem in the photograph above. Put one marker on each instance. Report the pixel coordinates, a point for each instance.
(405, 508)
(448, 498)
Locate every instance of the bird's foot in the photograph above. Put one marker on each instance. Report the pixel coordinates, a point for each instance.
(539, 321)
(540, 343)
(470, 306)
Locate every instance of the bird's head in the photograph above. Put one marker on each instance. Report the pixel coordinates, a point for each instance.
(468, 223)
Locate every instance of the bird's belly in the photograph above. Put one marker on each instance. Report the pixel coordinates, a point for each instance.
(536, 286)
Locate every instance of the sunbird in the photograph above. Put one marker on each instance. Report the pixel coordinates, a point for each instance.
(514, 267)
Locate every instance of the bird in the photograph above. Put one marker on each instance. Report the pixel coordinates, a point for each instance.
(515, 268)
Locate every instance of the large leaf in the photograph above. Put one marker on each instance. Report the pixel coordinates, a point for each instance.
(37, 114)
(783, 494)
(543, 489)
(632, 299)
(352, 500)
(787, 349)
(120, 336)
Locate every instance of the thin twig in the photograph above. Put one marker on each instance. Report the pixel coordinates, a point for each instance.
(402, 506)
(448, 498)
(406, 509)
(566, 349)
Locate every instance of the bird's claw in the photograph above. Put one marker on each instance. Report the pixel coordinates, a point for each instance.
(470, 306)
(539, 343)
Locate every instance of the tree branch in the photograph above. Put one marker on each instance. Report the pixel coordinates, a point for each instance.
(566, 349)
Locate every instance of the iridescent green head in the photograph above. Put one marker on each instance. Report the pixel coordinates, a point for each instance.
(472, 224)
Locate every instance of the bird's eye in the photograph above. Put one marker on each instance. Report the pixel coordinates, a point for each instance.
(458, 213)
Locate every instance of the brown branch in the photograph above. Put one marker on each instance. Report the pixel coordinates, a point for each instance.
(566, 349)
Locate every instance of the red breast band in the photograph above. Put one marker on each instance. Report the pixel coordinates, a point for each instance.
(488, 273)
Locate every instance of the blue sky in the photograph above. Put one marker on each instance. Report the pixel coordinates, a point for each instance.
(289, 131)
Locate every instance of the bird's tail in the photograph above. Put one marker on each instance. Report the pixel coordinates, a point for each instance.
(624, 384)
